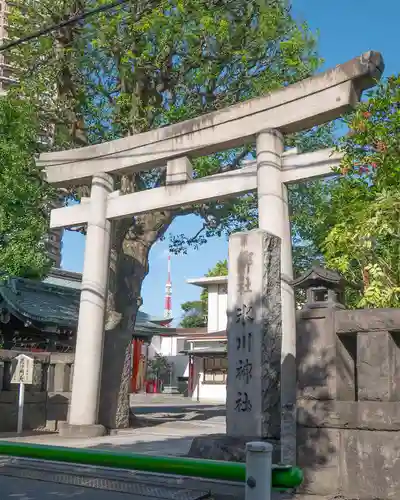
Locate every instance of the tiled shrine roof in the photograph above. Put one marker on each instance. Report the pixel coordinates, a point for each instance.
(48, 304)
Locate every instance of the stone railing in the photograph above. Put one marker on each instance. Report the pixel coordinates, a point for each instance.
(46, 401)
(348, 397)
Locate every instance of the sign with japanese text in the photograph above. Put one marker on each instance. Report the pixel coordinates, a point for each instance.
(22, 370)
(252, 334)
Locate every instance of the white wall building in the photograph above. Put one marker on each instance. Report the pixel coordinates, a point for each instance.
(198, 355)
(208, 363)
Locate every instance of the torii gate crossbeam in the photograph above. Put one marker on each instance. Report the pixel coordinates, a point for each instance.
(188, 192)
(297, 107)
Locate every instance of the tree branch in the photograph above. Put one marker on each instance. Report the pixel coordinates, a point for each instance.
(194, 238)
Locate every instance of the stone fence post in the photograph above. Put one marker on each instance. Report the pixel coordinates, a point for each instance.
(60, 372)
(348, 369)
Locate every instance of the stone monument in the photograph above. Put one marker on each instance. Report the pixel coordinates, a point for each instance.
(254, 336)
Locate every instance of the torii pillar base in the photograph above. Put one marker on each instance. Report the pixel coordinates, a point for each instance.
(81, 431)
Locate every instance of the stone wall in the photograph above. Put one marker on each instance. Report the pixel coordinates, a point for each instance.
(348, 396)
(46, 401)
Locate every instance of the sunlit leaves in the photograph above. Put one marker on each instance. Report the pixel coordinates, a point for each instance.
(23, 194)
(194, 314)
(352, 221)
(364, 239)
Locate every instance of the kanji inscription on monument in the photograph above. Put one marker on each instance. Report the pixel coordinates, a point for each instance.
(254, 335)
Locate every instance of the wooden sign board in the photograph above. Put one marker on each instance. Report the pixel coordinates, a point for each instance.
(22, 370)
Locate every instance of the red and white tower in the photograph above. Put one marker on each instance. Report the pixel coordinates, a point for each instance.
(168, 293)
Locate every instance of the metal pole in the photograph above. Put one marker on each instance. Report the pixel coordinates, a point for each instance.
(198, 388)
(21, 398)
(258, 471)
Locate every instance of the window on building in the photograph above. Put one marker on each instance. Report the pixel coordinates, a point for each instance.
(215, 370)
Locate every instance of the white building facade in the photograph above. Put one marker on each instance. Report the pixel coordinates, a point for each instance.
(198, 355)
(208, 362)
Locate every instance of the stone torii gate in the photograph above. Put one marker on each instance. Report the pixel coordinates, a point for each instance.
(266, 119)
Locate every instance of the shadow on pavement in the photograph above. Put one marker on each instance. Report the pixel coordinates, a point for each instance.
(170, 446)
(151, 416)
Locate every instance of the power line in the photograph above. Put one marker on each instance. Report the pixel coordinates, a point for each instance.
(71, 20)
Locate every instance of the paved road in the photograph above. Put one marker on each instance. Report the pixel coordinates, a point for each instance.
(25, 489)
(23, 479)
(10, 489)
(161, 429)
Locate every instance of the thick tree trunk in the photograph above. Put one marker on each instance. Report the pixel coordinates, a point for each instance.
(129, 266)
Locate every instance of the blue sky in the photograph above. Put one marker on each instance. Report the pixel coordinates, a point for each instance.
(347, 29)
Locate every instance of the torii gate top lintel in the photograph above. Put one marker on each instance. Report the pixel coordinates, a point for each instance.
(307, 103)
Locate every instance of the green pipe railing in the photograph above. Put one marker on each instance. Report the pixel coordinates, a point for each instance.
(282, 477)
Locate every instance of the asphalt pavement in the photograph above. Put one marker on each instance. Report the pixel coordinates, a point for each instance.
(26, 489)
(24, 479)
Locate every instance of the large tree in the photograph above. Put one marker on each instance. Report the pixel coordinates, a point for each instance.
(144, 65)
(24, 195)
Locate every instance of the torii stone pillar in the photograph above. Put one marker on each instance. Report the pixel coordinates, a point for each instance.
(90, 335)
(273, 217)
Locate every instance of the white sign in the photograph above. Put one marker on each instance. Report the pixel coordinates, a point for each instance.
(22, 370)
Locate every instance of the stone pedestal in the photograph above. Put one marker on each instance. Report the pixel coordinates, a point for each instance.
(254, 336)
(81, 431)
(226, 448)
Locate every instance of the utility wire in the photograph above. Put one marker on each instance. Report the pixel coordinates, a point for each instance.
(71, 20)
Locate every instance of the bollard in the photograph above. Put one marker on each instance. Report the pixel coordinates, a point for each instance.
(258, 471)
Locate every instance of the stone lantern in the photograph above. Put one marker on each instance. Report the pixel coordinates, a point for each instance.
(324, 287)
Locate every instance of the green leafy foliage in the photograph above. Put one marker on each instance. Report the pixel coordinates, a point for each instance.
(23, 193)
(351, 222)
(157, 367)
(194, 314)
(220, 269)
(364, 240)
